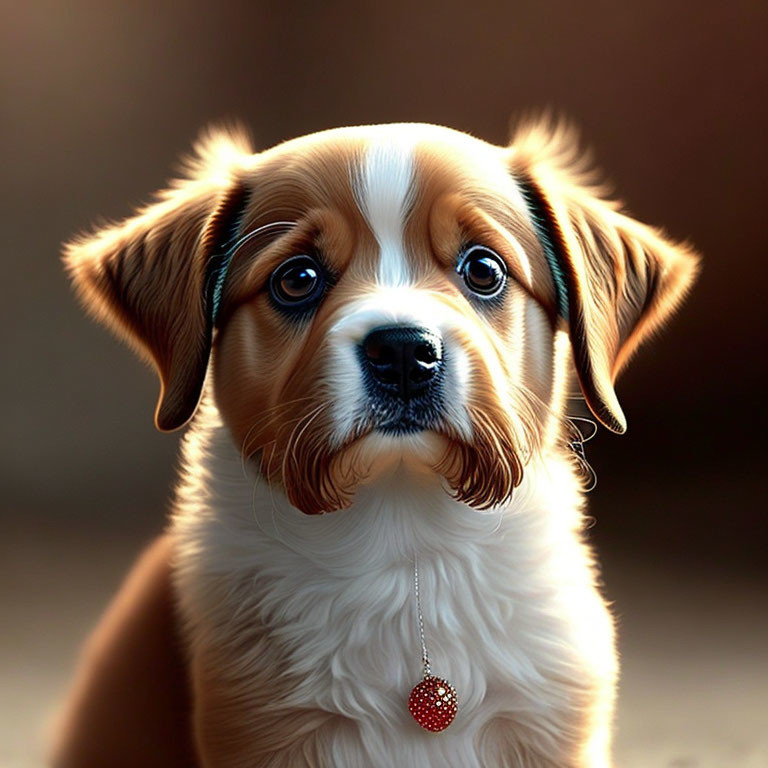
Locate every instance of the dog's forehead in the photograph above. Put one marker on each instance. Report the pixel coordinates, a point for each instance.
(381, 164)
(384, 180)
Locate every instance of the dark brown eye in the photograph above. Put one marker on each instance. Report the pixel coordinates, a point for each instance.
(483, 271)
(298, 282)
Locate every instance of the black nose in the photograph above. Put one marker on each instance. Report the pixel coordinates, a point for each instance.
(404, 361)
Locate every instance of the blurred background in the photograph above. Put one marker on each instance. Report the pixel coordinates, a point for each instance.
(98, 101)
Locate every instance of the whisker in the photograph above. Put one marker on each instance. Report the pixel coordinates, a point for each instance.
(265, 415)
(296, 435)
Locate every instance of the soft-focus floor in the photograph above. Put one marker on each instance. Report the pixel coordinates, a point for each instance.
(695, 648)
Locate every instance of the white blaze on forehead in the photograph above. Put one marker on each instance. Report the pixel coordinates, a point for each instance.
(384, 192)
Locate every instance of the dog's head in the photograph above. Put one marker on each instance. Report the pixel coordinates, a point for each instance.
(384, 294)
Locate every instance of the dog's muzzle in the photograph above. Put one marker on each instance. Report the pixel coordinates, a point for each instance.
(403, 371)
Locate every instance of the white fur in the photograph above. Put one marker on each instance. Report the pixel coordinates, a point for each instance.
(512, 615)
(384, 191)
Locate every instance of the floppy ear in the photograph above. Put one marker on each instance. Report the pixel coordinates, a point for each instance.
(152, 278)
(617, 279)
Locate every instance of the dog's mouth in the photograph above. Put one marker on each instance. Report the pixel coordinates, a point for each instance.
(405, 418)
(318, 477)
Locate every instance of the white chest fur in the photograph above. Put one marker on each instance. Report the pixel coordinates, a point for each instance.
(511, 613)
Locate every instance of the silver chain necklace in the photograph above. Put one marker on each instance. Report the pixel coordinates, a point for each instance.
(433, 702)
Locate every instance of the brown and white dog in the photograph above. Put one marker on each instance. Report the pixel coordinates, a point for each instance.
(383, 322)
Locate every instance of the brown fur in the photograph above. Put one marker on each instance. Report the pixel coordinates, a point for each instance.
(145, 278)
(624, 278)
(130, 704)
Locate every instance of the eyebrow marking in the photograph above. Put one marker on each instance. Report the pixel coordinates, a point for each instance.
(217, 269)
(383, 190)
(521, 266)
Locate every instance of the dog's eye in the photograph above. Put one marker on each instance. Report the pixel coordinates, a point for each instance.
(483, 270)
(297, 282)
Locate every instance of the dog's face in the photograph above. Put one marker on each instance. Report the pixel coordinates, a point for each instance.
(386, 294)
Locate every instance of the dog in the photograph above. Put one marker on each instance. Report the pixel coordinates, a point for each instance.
(377, 543)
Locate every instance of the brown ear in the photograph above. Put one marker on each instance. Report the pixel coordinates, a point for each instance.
(150, 278)
(621, 279)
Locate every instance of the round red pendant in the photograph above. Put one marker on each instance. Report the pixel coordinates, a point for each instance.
(433, 703)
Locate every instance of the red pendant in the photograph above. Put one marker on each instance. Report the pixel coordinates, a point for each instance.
(433, 703)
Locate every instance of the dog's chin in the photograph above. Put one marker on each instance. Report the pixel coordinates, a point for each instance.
(481, 473)
(383, 453)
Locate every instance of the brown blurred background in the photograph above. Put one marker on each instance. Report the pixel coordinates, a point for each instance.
(100, 98)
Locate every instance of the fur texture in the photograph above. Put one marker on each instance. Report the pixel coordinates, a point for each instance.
(301, 627)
